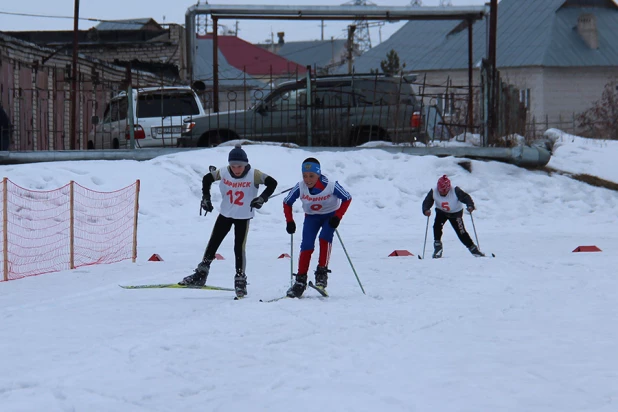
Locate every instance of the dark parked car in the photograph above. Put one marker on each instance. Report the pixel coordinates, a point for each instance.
(341, 111)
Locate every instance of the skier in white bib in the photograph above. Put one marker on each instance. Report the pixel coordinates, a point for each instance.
(324, 203)
(449, 203)
(239, 197)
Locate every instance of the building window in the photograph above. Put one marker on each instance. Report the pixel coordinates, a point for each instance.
(524, 97)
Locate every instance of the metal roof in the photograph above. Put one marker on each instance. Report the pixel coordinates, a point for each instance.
(253, 59)
(127, 24)
(530, 33)
(314, 53)
(229, 76)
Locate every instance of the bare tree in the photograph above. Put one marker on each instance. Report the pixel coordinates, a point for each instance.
(601, 120)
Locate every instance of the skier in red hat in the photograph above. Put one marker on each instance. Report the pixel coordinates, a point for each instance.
(449, 203)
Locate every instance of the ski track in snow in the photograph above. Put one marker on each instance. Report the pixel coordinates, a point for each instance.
(530, 330)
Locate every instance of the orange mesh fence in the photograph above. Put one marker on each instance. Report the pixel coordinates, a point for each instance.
(65, 228)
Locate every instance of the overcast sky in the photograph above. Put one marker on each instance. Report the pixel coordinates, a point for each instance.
(174, 12)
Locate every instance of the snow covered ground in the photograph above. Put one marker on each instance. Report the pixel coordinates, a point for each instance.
(533, 329)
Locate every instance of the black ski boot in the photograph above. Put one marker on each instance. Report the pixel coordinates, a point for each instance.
(199, 277)
(475, 251)
(240, 284)
(321, 276)
(297, 289)
(437, 249)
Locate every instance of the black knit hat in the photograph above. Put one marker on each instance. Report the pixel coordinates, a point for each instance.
(238, 157)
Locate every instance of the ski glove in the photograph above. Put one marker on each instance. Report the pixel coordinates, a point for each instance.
(207, 205)
(257, 203)
(334, 221)
(290, 227)
(427, 212)
(470, 209)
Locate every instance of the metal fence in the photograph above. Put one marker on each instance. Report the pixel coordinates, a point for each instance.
(37, 103)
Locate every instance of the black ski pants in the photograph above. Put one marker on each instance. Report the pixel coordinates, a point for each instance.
(220, 230)
(457, 222)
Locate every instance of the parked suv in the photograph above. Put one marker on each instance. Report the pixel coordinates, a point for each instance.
(341, 111)
(158, 114)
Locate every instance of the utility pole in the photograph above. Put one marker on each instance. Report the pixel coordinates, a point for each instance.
(493, 28)
(351, 30)
(493, 90)
(73, 114)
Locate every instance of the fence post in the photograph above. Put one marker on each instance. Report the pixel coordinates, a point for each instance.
(135, 212)
(72, 224)
(5, 227)
(534, 127)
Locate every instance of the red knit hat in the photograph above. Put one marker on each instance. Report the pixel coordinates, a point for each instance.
(444, 185)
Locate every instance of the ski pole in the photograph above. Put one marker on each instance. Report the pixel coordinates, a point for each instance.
(291, 259)
(280, 193)
(349, 260)
(475, 236)
(425, 242)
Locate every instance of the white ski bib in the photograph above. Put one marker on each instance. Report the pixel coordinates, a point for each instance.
(237, 194)
(320, 204)
(448, 203)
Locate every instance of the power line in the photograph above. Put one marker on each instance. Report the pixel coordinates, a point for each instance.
(51, 16)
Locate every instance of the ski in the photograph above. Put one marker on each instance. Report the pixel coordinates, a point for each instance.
(175, 286)
(276, 299)
(492, 255)
(320, 289)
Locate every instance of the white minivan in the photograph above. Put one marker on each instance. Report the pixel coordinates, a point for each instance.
(158, 115)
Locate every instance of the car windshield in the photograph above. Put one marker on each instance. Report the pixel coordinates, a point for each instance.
(166, 104)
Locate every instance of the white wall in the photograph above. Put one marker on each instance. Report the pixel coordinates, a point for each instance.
(573, 90)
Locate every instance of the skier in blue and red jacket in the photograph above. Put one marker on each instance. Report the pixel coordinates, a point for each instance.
(324, 203)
